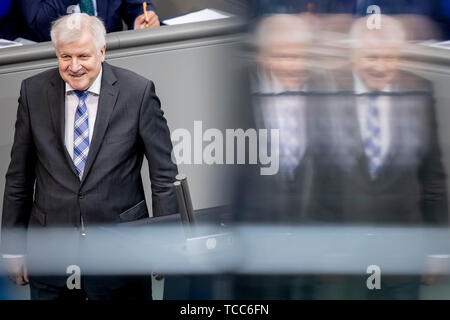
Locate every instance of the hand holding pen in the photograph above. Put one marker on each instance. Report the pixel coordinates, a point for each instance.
(148, 19)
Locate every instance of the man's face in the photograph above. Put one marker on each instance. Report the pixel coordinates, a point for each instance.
(286, 63)
(80, 61)
(376, 64)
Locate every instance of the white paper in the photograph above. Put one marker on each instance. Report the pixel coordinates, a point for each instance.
(24, 41)
(7, 43)
(202, 15)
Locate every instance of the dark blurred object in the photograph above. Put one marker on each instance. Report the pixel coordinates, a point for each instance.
(266, 7)
(5, 6)
(184, 199)
(3, 283)
(437, 11)
(30, 19)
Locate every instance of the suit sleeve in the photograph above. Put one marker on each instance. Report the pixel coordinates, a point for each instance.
(133, 9)
(20, 178)
(39, 14)
(432, 177)
(155, 136)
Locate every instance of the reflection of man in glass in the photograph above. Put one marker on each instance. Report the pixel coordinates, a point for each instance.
(383, 147)
(283, 96)
(282, 75)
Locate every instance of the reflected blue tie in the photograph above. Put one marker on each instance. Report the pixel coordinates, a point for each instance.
(81, 133)
(373, 139)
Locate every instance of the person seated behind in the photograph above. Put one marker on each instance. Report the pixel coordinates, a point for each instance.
(5, 7)
(32, 19)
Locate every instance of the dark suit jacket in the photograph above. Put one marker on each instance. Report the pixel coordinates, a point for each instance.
(42, 188)
(32, 19)
(411, 186)
(281, 198)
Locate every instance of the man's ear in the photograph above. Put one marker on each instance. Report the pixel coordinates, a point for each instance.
(102, 52)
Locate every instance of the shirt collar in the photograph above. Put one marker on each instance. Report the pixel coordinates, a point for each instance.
(94, 88)
(361, 88)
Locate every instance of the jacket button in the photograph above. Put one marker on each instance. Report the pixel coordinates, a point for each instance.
(80, 195)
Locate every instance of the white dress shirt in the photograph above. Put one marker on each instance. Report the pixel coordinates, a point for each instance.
(71, 104)
(71, 107)
(383, 105)
(286, 113)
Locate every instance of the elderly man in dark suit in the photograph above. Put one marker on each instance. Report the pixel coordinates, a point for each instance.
(379, 160)
(81, 134)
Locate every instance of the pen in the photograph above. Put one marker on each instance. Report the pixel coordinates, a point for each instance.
(144, 6)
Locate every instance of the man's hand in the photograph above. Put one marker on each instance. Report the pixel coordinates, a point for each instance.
(142, 22)
(17, 270)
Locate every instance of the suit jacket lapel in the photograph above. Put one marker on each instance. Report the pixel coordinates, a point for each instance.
(106, 104)
(395, 135)
(56, 104)
(358, 140)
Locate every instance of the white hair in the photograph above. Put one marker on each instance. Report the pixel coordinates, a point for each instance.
(390, 31)
(70, 28)
(281, 29)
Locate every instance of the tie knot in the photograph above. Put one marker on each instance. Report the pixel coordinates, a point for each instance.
(82, 95)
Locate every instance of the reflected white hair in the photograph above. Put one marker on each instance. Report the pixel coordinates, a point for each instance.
(281, 29)
(70, 28)
(391, 31)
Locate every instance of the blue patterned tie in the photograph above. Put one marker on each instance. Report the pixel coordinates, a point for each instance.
(289, 141)
(81, 133)
(373, 139)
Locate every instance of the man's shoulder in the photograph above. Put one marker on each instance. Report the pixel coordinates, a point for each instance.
(43, 78)
(129, 78)
(408, 81)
